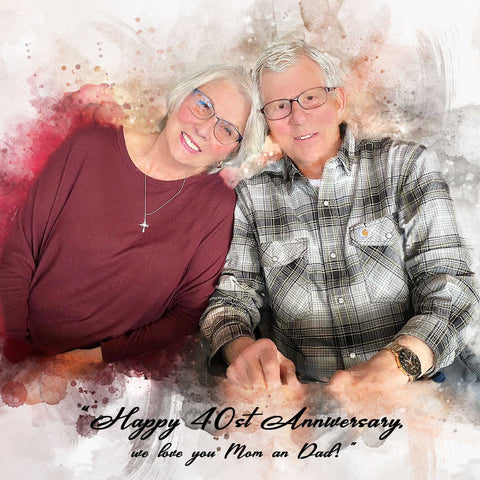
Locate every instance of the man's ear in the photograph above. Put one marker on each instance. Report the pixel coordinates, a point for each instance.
(341, 101)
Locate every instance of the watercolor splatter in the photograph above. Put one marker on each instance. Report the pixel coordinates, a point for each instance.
(24, 153)
(402, 77)
(14, 394)
(83, 426)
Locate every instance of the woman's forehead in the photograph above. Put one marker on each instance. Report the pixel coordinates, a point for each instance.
(229, 101)
(220, 88)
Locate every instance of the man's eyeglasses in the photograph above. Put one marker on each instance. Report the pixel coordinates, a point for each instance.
(201, 106)
(311, 98)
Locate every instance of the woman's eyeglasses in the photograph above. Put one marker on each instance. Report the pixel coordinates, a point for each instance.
(201, 106)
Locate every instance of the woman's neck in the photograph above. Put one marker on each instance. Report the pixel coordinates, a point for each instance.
(150, 155)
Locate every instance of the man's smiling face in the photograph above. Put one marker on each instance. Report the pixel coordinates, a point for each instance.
(308, 137)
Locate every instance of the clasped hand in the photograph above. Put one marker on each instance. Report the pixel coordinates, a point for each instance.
(259, 364)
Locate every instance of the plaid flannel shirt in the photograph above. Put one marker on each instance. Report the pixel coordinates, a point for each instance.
(333, 274)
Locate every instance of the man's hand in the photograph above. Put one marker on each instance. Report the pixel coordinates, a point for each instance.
(378, 383)
(258, 364)
(379, 373)
(374, 387)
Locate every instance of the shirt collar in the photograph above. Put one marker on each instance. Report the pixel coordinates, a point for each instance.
(346, 152)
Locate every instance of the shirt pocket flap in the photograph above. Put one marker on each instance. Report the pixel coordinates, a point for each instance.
(283, 252)
(379, 232)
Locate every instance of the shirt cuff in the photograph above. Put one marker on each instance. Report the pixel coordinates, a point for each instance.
(221, 326)
(444, 342)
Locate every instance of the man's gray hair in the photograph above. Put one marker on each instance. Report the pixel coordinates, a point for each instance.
(255, 130)
(281, 55)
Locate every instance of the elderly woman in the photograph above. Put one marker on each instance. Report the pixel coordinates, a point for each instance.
(124, 234)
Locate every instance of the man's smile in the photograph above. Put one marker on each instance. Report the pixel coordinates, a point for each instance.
(306, 137)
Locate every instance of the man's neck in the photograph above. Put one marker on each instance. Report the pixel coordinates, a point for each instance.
(313, 169)
(310, 171)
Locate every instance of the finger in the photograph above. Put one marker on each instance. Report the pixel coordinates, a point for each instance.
(288, 374)
(238, 376)
(247, 372)
(256, 374)
(271, 367)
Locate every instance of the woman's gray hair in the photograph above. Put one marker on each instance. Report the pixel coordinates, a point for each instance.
(255, 129)
(281, 55)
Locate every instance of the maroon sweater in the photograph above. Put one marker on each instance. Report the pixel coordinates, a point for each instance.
(78, 272)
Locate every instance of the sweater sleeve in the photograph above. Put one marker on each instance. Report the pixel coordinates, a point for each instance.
(23, 247)
(189, 300)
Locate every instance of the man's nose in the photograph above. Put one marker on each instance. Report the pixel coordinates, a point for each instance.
(297, 115)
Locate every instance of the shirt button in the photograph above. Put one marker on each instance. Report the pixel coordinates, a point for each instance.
(326, 203)
(388, 235)
(352, 355)
(333, 255)
(275, 259)
(340, 300)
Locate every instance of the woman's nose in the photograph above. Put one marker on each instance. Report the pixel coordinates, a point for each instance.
(204, 127)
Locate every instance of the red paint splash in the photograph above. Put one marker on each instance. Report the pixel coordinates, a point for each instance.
(24, 153)
(14, 394)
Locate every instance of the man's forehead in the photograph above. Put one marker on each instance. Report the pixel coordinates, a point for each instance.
(295, 79)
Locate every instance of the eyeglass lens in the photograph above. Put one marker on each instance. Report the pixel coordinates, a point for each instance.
(202, 108)
(312, 98)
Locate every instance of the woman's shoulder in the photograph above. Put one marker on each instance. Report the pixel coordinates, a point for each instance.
(94, 134)
(212, 196)
(81, 147)
(215, 186)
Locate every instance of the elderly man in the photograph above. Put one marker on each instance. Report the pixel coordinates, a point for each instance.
(346, 262)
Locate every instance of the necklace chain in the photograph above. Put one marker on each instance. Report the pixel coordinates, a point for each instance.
(145, 225)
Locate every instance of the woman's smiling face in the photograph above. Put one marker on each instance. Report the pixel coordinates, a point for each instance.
(191, 142)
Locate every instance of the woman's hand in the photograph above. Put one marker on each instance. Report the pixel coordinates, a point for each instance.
(82, 356)
(45, 379)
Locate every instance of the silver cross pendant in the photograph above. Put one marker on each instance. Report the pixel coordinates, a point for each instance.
(144, 225)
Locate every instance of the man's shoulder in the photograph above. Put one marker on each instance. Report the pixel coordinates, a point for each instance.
(387, 145)
(272, 173)
(390, 155)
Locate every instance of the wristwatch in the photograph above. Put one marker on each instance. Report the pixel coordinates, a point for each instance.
(407, 361)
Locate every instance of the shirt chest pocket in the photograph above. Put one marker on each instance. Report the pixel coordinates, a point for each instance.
(379, 249)
(286, 271)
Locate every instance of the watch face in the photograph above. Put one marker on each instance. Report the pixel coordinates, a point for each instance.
(410, 362)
